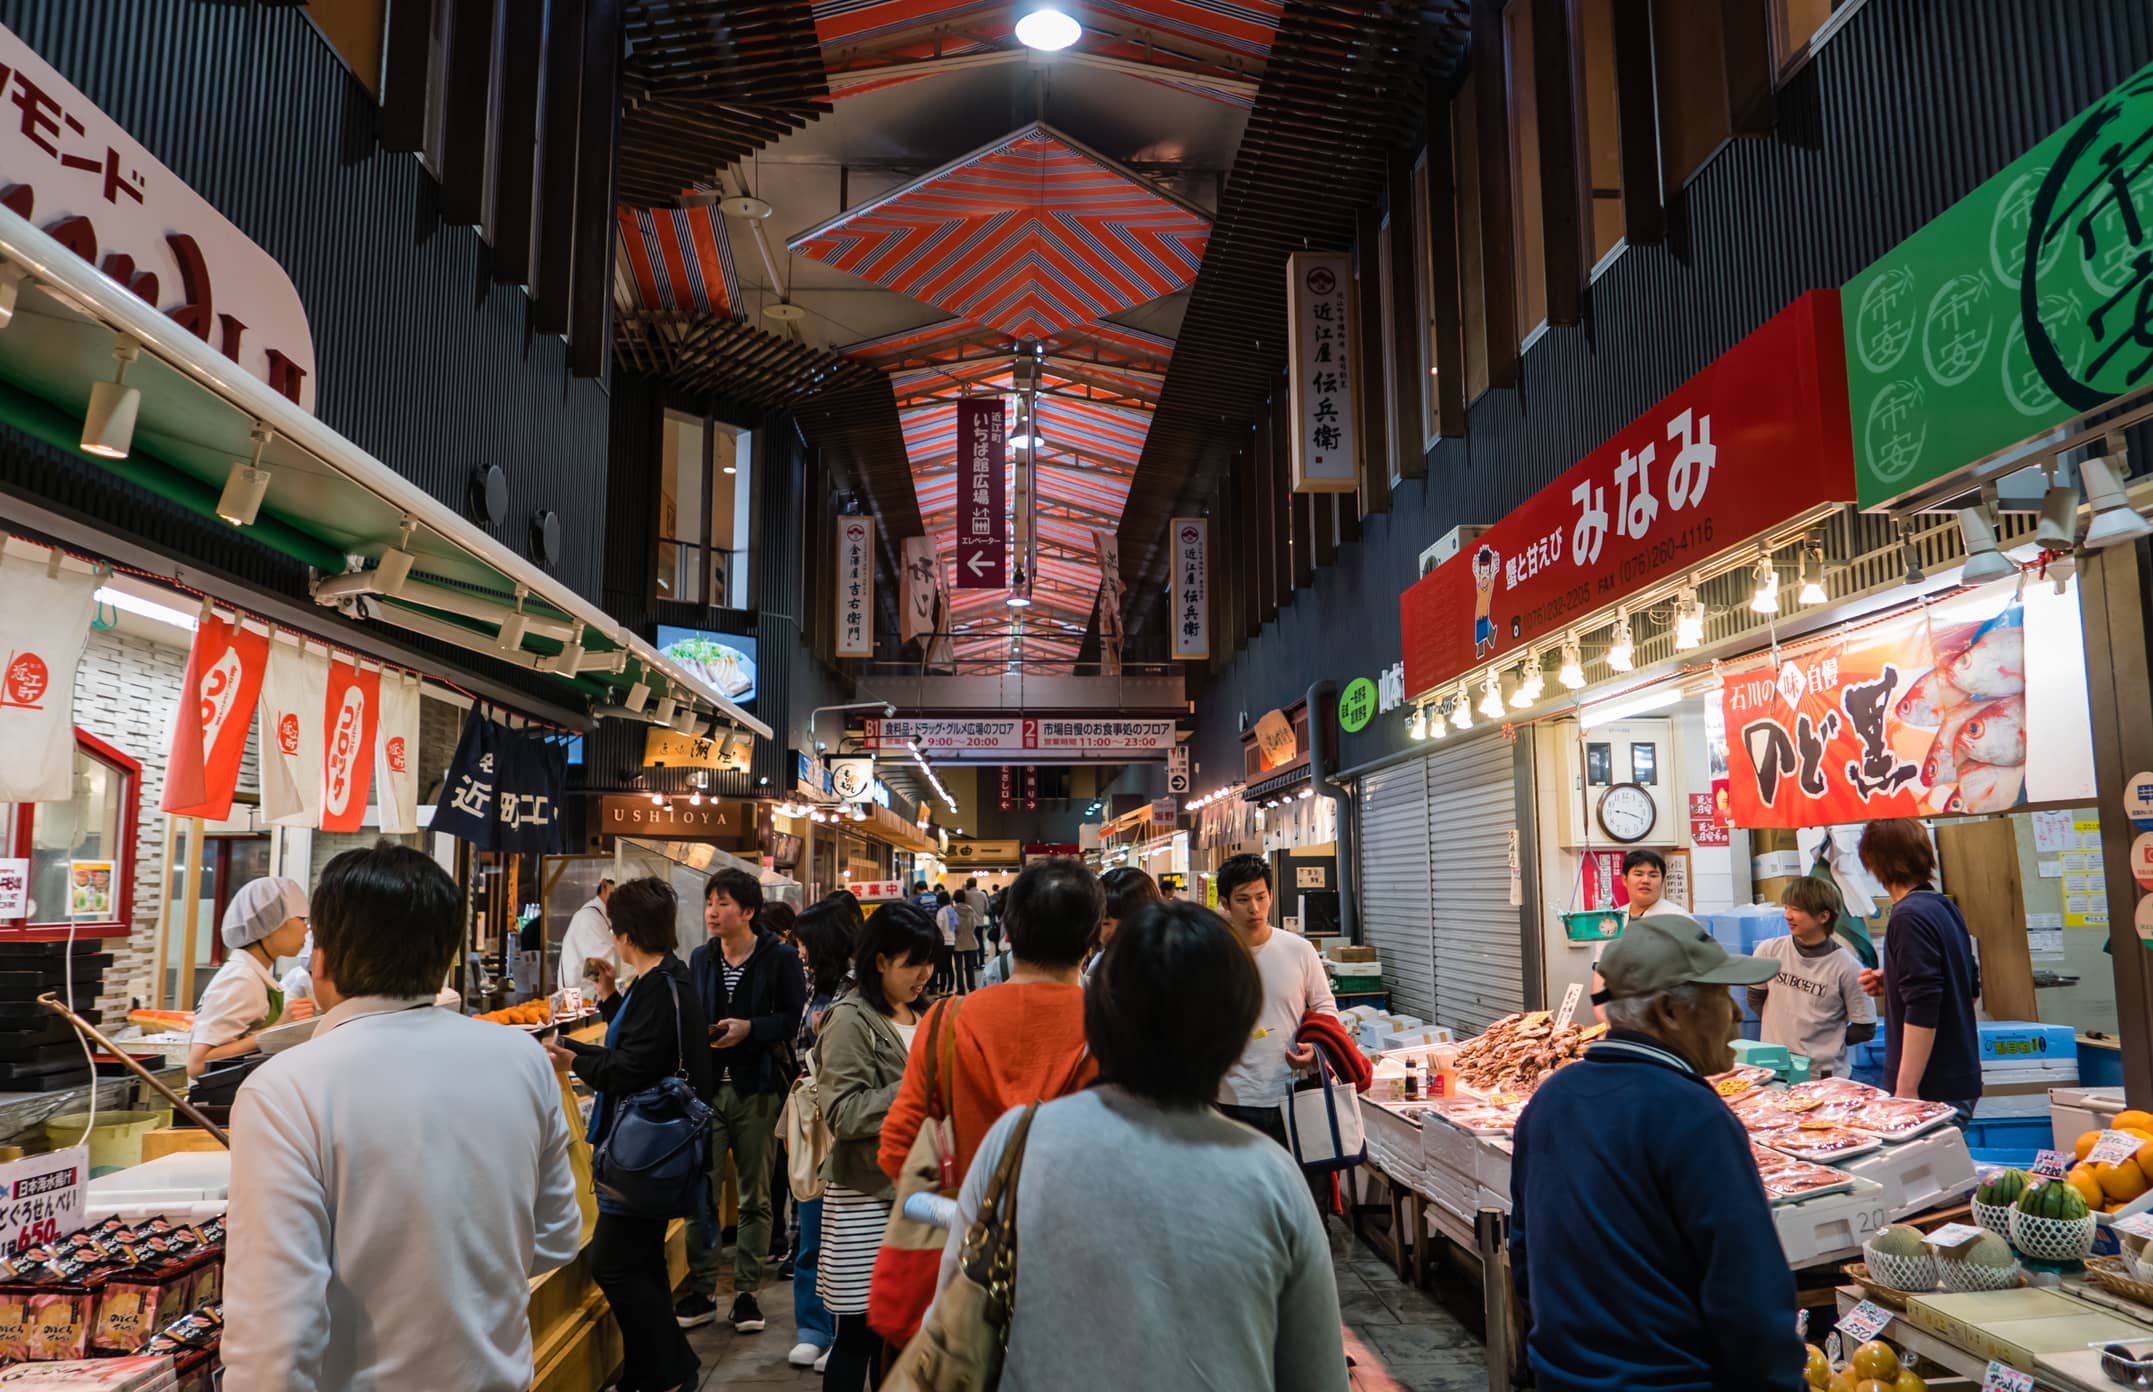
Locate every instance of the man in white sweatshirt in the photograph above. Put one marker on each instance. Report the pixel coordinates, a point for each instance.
(398, 1179)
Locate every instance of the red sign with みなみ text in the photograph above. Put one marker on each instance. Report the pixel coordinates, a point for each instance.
(1751, 442)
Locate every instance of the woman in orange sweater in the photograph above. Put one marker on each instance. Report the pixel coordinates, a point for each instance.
(1019, 1042)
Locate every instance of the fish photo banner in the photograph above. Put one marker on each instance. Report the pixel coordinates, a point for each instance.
(1977, 705)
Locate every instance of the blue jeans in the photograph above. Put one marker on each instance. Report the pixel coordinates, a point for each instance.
(817, 1326)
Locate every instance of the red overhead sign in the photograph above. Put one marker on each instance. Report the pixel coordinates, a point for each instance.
(1754, 440)
(982, 504)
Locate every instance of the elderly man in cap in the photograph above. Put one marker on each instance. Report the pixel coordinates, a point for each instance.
(1641, 1239)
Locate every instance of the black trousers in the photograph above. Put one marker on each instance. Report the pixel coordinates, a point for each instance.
(856, 1357)
(967, 969)
(1321, 1187)
(628, 1262)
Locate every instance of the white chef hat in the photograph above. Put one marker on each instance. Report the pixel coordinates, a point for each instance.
(260, 908)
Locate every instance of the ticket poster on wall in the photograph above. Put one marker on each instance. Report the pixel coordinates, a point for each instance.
(1974, 705)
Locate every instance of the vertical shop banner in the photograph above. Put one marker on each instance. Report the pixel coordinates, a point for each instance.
(218, 693)
(1177, 770)
(1751, 443)
(855, 587)
(1031, 788)
(921, 582)
(351, 721)
(2025, 304)
(1191, 589)
(1973, 706)
(45, 613)
(982, 499)
(1008, 799)
(295, 687)
(396, 758)
(503, 789)
(1108, 546)
(1319, 323)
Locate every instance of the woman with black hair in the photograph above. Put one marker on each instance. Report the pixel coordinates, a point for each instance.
(824, 936)
(1106, 1171)
(1127, 889)
(860, 1053)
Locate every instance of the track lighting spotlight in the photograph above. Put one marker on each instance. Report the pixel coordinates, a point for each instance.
(1491, 696)
(11, 278)
(245, 485)
(1572, 672)
(1764, 594)
(2114, 519)
(1689, 620)
(1621, 652)
(1812, 574)
(1417, 727)
(1461, 708)
(108, 425)
(1983, 561)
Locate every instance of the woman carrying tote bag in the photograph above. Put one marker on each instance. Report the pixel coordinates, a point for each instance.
(644, 1029)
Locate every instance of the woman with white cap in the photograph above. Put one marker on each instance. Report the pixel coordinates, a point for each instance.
(265, 920)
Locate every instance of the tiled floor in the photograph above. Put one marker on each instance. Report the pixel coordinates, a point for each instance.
(1400, 1339)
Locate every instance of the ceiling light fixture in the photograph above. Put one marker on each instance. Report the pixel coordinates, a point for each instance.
(1812, 574)
(745, 205)
(784, 311)
(1689, 620)
(1764, 596)
(2058, 528)
(1915, 575)
(1491, 696)
(1020, 590)
(246, 484)
(1461, 709)
(1527, 689)
(11, 278)
(1043, 25)
(1984, 562)
(1621, 652)
(1572, 672)
(1417, 727)
(2114, 519)
(108, 426)
(657, 799)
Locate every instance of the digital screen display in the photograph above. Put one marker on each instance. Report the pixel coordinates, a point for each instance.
(726, 661)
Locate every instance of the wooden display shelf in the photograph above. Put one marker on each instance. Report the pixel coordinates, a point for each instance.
(575, 1343)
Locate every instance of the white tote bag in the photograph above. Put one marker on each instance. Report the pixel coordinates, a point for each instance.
(1323, 1121)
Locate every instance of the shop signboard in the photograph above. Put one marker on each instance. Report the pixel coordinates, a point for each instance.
(2022, 306)
(986, 739)
(1007, 801)
(1977, 705)
(14, 887)
(982, 494)
(1319, 321)
(975, 851)
(351, 722)
(76, 173)
(503, 789)
(726, 822)
(1177, 770)
(1191, 588)
(1163, 810)
(1754, 441)
(663, 748)
(855, 587)
(43, 1198)
(1031, 788)
(1357, 705)
(852, 778)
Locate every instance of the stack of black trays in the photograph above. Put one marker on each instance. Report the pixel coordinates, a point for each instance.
(39, 1051)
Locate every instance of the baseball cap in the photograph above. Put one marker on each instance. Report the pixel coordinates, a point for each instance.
(1662, 951)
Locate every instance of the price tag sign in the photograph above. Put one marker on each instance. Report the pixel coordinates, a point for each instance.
(1864, 1322)
(2113, 1148)
(2002, 1379)
(1569, 1005)
(2051, 1164)
(2137, 1225)
(42, 1197)
(1952, 1236)
(1732, 1087)
(1800, 1104)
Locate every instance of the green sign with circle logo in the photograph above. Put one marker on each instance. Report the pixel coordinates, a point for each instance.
(1357, 705)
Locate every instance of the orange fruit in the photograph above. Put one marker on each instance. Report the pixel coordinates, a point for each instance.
(1910, 1381)
(2082, 1179)
(2083, 1146)
(2121, 1181)
(2132, 1121)
(1875, 1360)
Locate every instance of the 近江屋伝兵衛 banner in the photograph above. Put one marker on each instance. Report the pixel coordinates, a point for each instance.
(1754, 441)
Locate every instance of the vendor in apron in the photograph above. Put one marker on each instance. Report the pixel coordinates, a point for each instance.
(265, 920)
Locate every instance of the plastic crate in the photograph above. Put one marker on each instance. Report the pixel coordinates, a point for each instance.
(2008, 1140)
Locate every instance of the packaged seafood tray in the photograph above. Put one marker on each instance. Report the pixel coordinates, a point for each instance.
(1788, 1180)
(1825, 1142)
(1899, 1118)
(1476, 1116)
(1740, 1079)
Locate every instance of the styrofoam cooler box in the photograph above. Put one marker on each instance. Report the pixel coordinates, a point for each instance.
(188, 1186)
(2024, 1041)
(2075, 1111)
(1446, 1147)
(1491, 1165)
(1920, 1174)
(1832, 1227)
(1415, 1038)
(1456, 1191)
(1489, 1198)
(1393, 1139)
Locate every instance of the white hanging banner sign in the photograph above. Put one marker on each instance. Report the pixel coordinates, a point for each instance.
(855, 587)
(295, 693)
(920, 585)
(76, 174)
(1319, 323)
(1191, 589)
(44, 624)
(1108, 546)
(396, 755)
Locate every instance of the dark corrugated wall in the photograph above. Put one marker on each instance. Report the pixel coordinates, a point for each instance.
(1912, 105)
(422, 360)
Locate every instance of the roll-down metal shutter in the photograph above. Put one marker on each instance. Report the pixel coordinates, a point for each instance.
(1393, 810)
(1472, 809)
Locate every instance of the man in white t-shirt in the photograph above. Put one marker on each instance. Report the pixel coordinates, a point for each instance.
(1294, 983)
(1815, 1006)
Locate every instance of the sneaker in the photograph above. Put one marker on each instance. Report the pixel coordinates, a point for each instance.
(784, 1269)
(823, 1362)
(692, 1310)
(804, 1354)
(747, 1316)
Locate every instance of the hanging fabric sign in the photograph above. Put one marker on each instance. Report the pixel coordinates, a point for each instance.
(855, 587)
(1108, 545)
(1320, 324)
(396, 755)
(920, 585)
(209, 722)
(1974, 706)
(44, 624)
(1192, 589)
(295, 686)
(503, 790)
(351, 716)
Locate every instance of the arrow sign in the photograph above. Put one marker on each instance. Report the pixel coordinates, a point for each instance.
(982, 494)
(979, 563)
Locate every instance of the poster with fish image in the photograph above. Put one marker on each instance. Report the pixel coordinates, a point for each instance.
(1973, 705)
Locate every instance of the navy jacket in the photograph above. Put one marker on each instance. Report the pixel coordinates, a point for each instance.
(1640, 1237)
(1930, 980)
(770, 997)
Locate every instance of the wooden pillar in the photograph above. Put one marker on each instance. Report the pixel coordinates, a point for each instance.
(2112, 600)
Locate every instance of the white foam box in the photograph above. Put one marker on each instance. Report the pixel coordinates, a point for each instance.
(185, 1177)
(1832, 1227)
(1491, 1165)
(1414, 1038)
(1920, 1174)
(1489, 1198)
(1446, 1147)
(1455, 1191)
(2073, 1111)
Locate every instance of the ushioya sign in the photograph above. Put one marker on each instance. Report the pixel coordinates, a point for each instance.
(76, 174)
(2028, 303)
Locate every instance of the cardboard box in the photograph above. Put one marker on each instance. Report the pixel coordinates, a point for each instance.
(1775, 865)
(1348, 952)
